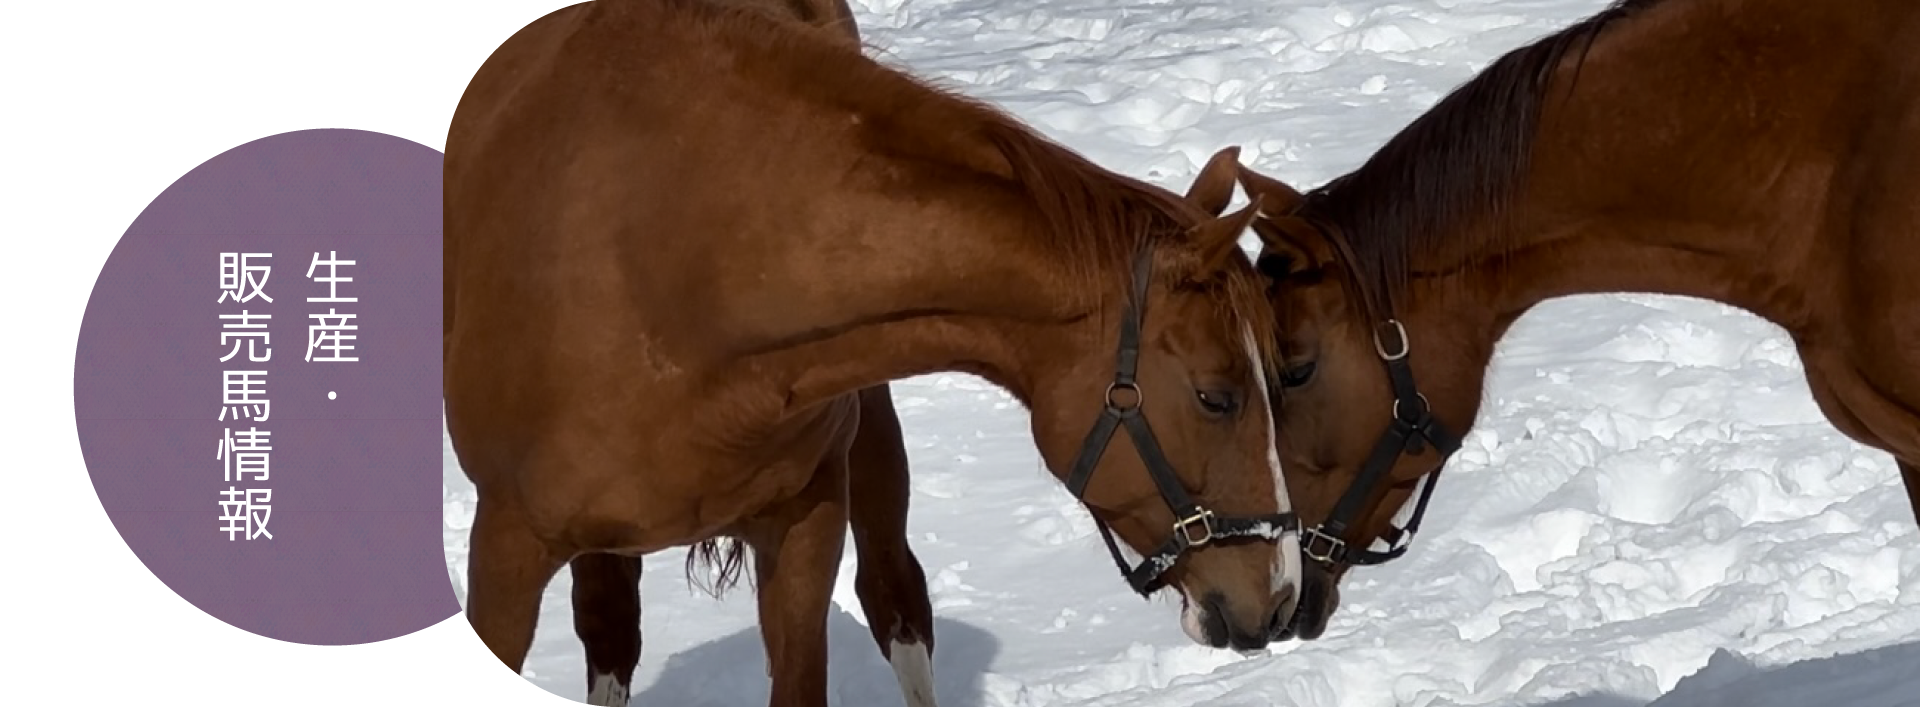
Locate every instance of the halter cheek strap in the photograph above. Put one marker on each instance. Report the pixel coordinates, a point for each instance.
(1411, 429)
(1195, 525)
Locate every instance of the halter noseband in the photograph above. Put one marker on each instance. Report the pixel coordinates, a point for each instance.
(1195, 525)
(1413, 427)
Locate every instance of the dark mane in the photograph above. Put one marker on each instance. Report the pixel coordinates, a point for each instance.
(1099, 220)
(1459, 161)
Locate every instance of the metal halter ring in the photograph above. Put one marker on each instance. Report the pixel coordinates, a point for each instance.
(1424, 405)
(1139, 398)
(1401, 331)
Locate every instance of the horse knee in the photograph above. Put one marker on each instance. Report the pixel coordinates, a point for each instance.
(508, 568)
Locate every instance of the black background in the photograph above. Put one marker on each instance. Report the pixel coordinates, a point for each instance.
(129, 100)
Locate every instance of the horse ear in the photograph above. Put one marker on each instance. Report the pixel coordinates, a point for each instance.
(1213, 187)
(1217, 239)
(1290, 246)
(1280, 198)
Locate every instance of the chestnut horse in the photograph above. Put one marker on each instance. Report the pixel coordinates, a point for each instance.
(682, 239)
(890, 583)
(1764, 154)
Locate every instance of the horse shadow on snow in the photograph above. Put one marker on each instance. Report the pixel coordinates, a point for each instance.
(731, 671)
(1888, 676)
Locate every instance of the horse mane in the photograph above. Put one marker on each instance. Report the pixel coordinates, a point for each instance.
(1096, 221)
(1461, 160)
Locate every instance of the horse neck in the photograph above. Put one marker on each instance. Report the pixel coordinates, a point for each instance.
(1647, 179)
(894, 239)
(949, 281)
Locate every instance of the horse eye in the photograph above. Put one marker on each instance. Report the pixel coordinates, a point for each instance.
(1218, 402)
(1298, 375)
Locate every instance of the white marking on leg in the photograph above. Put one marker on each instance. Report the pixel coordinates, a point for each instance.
(1287, 570)
(607, 691)
(914, 667)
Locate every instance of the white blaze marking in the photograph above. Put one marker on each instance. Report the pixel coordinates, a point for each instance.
(1286, 568)
(914, 668)
(607, 691)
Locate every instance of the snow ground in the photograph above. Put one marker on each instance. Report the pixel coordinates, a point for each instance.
(1676, 525)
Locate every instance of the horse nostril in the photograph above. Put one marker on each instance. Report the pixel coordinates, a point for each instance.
(1288, 605)
(1280, 625)
(1310, 615)
(1214, 623)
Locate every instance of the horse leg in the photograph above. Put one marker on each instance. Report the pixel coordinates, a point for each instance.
(891, 584)
(507, 569)
(606, 617)
(797, 547)
(1854, 415)
(1910, 472)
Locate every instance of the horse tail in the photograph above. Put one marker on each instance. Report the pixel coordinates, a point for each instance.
(723, 560)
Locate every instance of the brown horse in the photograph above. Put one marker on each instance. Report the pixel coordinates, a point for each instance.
(682, 239)
(1764, 154)
(889, 581)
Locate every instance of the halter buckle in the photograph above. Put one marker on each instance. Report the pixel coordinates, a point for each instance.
(1204, 519)
(1310, 539)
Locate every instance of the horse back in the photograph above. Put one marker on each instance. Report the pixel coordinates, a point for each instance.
(623, 182)
(830, 15)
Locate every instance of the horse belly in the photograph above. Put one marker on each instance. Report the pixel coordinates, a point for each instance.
(638, 493)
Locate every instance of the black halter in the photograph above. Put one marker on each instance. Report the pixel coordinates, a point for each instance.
(1413, 428)
(1196, 525)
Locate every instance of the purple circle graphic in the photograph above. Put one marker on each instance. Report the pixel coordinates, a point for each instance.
(292, 489)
